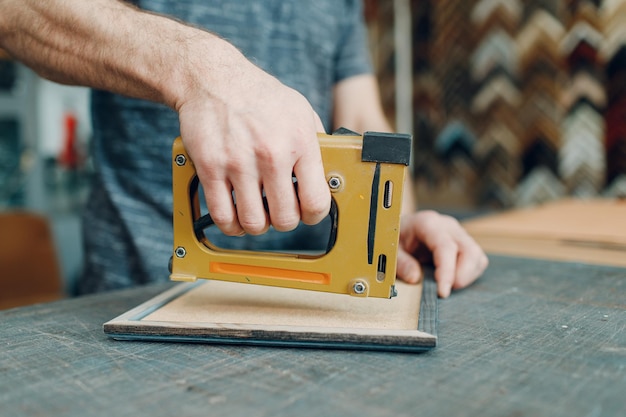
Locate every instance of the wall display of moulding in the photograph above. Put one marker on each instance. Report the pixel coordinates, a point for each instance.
(515, 102)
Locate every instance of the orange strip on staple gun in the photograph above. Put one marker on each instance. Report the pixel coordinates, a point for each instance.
(268, 272)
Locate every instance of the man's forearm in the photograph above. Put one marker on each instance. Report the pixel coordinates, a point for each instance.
(358, 107)
(246, 132)
(109, 45)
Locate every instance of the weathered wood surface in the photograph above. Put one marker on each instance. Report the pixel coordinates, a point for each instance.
(530, 338)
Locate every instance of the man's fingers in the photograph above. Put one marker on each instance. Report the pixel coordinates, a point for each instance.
(471, 262)
(219, 201)
(313, 192)
(251, 213)
(445, 260)
(282, 202)
(408, 268)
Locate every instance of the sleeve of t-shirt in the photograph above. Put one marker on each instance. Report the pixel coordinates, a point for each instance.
(353, 55)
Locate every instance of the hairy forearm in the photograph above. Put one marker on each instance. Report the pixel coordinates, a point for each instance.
(109, 45)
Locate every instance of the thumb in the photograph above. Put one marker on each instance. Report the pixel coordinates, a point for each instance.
(407, 268)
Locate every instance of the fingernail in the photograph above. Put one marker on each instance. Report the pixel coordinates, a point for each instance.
(445, 290)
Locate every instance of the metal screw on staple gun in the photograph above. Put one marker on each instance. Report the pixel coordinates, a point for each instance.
(180, 160)
(334, 182)
(359, 287)
(180, 252)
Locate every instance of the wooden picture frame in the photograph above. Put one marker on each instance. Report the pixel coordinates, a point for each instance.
(218, 312)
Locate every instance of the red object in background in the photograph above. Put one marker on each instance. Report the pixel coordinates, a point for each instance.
(69, 157)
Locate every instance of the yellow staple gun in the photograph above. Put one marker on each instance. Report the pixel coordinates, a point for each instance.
(365, 175)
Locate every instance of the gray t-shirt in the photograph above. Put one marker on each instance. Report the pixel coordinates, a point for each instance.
(308, 45)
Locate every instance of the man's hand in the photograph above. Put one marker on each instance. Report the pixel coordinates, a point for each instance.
(427, 236)
(249, 135)
(245, 131)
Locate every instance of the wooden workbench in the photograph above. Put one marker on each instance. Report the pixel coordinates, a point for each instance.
(530, 338)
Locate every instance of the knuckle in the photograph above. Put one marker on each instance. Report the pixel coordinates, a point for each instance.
(227, 224)
(430, 220)
(254, 225)
(222, 219)
(271, 159)
(236, 166)
(429, 215)
(266, 153)
(445, 241)
(449, 220)
(315, 211)
(285, 223)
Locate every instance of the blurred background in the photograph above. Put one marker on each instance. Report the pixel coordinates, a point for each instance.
(511, 103)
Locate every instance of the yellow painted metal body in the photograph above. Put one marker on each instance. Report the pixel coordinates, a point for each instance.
(362, 261)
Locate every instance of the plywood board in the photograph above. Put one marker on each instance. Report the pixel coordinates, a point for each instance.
(225, 312)
(592, 231)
